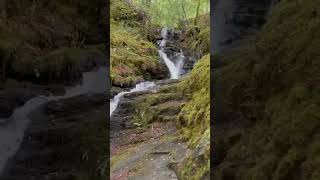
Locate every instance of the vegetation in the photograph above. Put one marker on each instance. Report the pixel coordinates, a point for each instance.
(30, 30)
(133, 56)
(172, 12)
(194, 119)
(276, 85)
(196, 38)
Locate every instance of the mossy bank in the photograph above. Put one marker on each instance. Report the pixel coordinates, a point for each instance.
(270, 116)
(134, 55)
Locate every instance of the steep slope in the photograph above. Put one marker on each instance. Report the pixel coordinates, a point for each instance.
(194, 117)
(133, 55)
(267, 121)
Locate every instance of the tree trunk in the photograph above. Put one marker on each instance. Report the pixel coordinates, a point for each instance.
(184, 11)
(197, 13)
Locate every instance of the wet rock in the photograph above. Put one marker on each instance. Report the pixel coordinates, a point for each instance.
(159, 73)
(167, 82)
(116, 90)
(122, 116)
(52, 147)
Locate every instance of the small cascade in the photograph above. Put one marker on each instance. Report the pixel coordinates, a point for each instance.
(143, 86)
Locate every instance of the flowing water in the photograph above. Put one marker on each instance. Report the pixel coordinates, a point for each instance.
(143, 86)
(174, 67)
(11, 133)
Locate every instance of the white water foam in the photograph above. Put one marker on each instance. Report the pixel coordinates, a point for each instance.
(174, 68)
(143, 86)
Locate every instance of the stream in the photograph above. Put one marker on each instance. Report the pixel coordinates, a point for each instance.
(12, 133)
(174, 65)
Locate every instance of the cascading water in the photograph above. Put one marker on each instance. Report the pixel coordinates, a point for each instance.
(174, 68)
(144, 86)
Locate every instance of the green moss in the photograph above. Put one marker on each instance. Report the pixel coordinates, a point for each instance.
(195, 115)
(274, 86)
(124, 12)
(133, 57)
(159, 107)
(197, 38)
(191, 169)
(194, 120)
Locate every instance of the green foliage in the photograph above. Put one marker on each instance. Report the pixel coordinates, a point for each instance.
(126, 13)
(197, 38)
(171, 12)
(276, 86)
(133, 18)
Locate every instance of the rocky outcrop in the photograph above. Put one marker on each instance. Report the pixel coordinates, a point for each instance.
(174, 51)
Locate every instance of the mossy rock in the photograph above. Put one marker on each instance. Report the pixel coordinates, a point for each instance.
(133, 58)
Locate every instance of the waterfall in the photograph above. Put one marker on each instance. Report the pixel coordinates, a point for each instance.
(174, 68)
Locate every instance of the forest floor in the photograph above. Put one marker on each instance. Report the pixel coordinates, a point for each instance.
(148, 154)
